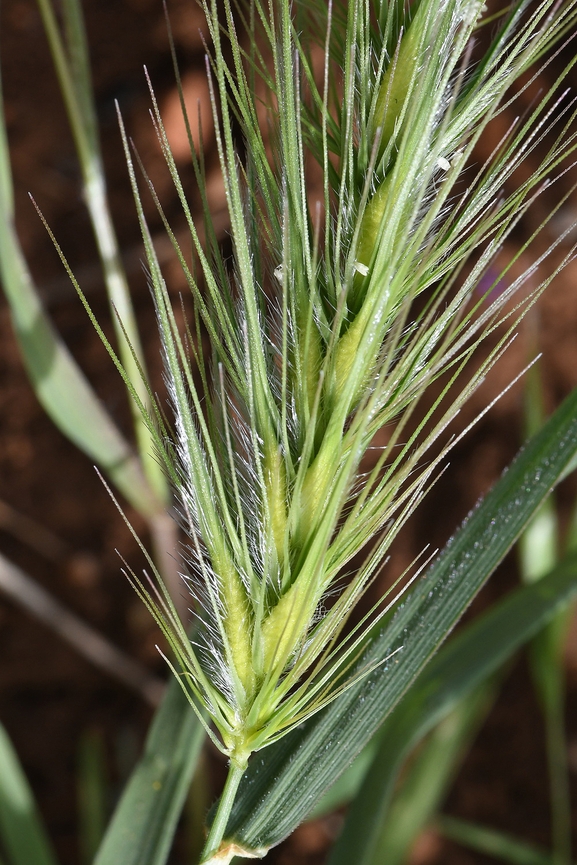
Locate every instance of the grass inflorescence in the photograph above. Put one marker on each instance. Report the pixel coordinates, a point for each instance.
(338, 311)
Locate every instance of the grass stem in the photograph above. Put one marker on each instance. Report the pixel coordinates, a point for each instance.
(212, 852)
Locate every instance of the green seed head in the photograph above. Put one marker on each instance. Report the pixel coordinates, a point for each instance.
(269, 469)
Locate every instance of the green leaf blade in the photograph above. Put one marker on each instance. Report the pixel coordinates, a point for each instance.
(427, 780)
(143, 825)
(22, 835)
(504, 847)
(60, 385)
(476, 653)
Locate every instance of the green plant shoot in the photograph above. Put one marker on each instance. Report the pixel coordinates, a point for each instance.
(344, 301)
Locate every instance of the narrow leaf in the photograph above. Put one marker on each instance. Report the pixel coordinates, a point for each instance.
(59, 383)
(92, 793)
(475, 653)
(492, 843)
(429, 777)
(22, 834)
(72, 65)
(538, 551)
(144, 822)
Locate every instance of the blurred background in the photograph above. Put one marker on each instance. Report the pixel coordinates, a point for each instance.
(77, 729)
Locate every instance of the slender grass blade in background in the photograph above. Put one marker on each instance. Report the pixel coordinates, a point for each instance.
(58, 382)
(197, 806)
(499, 845)
(283, 783)
(538, 551)
(22, 835)
(425, 783)
(71, 59)
(73, 69)
(6, 187)
(61, 387)
(92, 791)
(143, 825)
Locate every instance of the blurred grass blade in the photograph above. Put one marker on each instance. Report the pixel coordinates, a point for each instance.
(492, 843)
(92, 790)
(197, 806)
(548, 673)
(73, 69)
(144, 822)
(538, 545)
(538, 552)
(285, 780)
(475, 653)
(6, 189)
(59, 384)
(79, 64)
(429, 777)
(22, 836)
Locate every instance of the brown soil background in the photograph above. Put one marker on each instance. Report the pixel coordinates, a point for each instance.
(49, 697)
